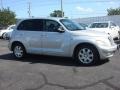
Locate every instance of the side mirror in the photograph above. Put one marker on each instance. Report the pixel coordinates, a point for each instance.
(61, 29)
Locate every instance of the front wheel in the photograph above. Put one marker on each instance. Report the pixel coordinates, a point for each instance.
(4, 36)
(87, 55)
(19, 51)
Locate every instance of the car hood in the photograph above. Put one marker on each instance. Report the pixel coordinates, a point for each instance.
(106, 30)
(90, 33)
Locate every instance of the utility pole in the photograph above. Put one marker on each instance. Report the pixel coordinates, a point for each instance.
(29, 9)
(1, 4)
(62, 7)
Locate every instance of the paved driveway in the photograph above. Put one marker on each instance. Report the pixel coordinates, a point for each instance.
(55, 73)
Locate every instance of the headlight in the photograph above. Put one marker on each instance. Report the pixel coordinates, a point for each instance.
(103, 43)
(111, 40)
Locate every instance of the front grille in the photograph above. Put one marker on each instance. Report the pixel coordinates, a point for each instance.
(117, 42)
(116, 39)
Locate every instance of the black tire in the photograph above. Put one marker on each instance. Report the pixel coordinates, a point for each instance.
(19, 51)
(4, 36)
(89, 58)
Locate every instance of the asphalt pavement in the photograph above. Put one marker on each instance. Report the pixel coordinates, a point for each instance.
(38, 72)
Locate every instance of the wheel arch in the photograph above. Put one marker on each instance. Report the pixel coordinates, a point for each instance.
(17, 42)
(85, 44)
(3, 34)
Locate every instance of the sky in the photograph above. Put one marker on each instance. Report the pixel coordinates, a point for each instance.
(71, 8)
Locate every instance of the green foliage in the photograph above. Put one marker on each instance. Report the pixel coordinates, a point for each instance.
(57, 13)
(7, 17)
(112, 11)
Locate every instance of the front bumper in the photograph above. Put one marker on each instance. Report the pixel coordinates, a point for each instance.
(107, 52)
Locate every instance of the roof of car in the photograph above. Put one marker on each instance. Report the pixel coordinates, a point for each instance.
(52, 18)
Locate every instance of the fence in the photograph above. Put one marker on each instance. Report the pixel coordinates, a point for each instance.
(89, 20)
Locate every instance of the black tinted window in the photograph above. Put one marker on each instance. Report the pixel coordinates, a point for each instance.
(51, 25)
(31, 25)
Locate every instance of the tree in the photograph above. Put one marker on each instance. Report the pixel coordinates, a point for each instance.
(7, 17)
(57, 13)
(112, 11)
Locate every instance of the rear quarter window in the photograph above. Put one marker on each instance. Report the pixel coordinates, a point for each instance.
(31, 25)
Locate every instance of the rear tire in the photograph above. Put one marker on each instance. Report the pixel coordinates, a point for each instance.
(19, 51)
(86, 55)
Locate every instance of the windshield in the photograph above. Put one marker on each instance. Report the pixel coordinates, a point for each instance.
(12, 27)
(99, 25)
(70, 25)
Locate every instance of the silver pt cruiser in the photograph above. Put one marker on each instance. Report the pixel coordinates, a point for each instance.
(60, 37)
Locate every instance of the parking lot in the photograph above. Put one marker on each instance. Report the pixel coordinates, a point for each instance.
(37, 72)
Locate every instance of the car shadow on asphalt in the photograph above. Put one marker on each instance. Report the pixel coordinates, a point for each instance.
(62, 61)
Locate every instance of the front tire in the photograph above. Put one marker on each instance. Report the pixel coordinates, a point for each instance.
(86, 55)
(19, 51)
(4, 36)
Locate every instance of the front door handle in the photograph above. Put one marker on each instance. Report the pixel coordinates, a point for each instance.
(21, 34)
(44, 35)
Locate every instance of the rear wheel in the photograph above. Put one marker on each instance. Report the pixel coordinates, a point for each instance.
(19, 51)
(86, 55)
